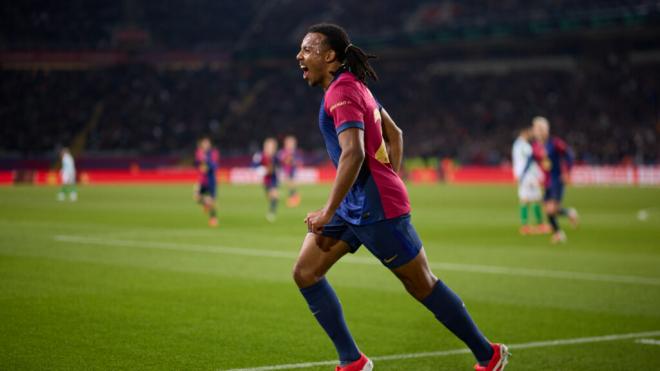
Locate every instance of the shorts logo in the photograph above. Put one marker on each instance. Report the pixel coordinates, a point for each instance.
(388, 261)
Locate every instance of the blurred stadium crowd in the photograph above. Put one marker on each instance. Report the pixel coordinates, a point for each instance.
(450, 102)
(73, 25)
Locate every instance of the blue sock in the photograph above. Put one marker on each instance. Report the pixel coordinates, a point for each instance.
(553, 222)
(325, 306)
(273, 205)
(449, 309)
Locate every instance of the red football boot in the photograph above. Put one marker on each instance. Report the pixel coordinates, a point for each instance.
(498, 362)
(544, 228)
(362, 364)
(293, 201)
(525, 230)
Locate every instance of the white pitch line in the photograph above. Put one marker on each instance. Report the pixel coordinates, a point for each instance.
(485, 269)
(648, 341)
(444, 353)
(526, 272)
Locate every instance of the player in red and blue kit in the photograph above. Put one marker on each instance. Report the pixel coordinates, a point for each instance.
(368, 204)
(268, 164)
(207, 159)
(290, 161)
(556, 160)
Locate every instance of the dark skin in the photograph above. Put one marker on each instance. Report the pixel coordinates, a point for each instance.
(319, 253)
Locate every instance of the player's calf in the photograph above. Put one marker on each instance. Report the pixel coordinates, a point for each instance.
(446, 306)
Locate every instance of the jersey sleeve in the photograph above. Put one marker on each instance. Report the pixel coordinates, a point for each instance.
(343, 105)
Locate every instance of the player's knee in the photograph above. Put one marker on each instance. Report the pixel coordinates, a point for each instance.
(304, 276)
(420, 288)
(421, 292)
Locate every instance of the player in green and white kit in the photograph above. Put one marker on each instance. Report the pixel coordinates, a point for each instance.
(530, 178)
(67, 176)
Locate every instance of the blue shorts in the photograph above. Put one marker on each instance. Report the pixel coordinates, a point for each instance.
(555, 192)
(270, 182)
(207, 190)
(393, 241)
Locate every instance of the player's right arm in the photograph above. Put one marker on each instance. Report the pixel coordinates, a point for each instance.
(347, 114)
(352, 156)
(393, 136)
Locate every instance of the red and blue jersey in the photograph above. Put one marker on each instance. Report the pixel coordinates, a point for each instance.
(378, 193)
(270, 164)
(207, 165)
(289, 160)
(555, 159)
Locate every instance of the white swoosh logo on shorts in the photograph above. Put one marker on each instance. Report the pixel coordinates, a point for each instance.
(388, 261)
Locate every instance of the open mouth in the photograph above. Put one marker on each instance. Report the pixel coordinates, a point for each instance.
(305, 72)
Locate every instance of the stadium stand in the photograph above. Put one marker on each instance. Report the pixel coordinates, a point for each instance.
(462, 102)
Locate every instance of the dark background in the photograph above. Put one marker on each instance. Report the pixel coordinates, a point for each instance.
(145, 79)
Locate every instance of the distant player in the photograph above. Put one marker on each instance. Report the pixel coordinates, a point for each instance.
(290, 161)
(207, 160)
(555, 159)
(529, 177)
(67, 176)
(368, 203)
(268, 164)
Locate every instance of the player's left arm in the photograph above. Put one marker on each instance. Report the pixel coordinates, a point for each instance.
(393, 136)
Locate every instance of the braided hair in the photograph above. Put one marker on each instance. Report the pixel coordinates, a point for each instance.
(352, 57)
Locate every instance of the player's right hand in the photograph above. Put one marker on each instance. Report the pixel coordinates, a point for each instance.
(315, 220)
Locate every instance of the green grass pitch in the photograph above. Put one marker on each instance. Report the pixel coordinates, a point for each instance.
(131, 278)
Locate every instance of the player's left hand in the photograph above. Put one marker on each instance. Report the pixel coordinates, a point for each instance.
(315, 220)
